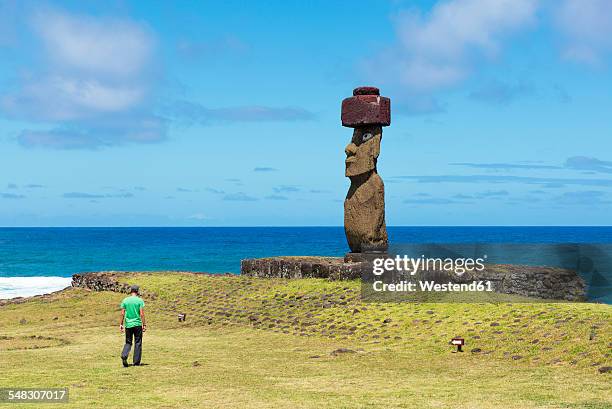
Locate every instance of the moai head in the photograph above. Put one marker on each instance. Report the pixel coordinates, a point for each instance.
(362, 153)
(367, 112)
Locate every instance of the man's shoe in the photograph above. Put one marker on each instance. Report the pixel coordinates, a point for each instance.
(136, 364)
(125, 362)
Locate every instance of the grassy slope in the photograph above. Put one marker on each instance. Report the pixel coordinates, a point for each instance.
(266, 343)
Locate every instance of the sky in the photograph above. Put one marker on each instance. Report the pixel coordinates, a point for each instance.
(132, 113)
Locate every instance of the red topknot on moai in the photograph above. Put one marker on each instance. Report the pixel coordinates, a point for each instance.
(366, 107)
(364, 207)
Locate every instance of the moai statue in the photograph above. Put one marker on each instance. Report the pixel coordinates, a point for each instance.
(364, 207)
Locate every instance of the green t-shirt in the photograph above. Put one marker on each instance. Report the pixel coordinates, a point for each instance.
(132, 306)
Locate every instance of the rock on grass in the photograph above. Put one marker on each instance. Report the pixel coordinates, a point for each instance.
(341, 351)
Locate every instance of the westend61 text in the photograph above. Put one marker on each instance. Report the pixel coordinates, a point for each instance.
(411, 265)
(409, 286)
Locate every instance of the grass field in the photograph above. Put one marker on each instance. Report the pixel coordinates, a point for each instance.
(258, 343)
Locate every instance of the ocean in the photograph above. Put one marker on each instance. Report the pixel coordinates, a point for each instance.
(39, 260)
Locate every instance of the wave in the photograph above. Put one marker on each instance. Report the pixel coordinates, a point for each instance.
(11, 287)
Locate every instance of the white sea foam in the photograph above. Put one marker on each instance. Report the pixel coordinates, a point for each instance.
(11, 287)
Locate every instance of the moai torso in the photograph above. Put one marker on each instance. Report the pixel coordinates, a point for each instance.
(364, 208)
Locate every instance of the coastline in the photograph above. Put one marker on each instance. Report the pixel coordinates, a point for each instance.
(24, 287)
(19, 289)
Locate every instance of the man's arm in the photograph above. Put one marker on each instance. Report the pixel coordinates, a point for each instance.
(122, 319)
(142, 318)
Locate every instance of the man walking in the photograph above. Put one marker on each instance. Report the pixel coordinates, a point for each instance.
(133, 317)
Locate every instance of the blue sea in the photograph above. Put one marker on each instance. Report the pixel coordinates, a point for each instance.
(39, 260)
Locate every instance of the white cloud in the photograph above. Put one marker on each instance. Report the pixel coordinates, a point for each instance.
(73, 98)
(198, 217)
(424, 74)
(587, 28)
(91, 94)
(97, 45)
(100, 132)
(196, 113)
(91, 85)
(435, 50)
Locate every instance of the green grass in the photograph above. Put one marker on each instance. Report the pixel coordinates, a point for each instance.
(267, 343)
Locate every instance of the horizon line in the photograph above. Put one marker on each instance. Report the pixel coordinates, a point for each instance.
(287, 226)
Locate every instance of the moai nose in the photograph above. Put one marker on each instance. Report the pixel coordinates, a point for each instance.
(351, 149)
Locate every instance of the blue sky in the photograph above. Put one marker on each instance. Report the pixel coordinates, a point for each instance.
(227, 113)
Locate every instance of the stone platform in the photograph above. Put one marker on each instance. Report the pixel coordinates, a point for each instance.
(333, 268)
(529, 281)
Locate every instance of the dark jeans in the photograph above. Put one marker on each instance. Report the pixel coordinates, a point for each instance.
(136, 333)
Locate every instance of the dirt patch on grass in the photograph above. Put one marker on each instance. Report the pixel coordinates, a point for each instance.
(30, 342)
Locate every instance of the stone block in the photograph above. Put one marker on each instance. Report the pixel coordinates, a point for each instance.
(363, 110)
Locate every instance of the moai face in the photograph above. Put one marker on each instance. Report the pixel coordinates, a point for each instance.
(362, 153)
(367, 112)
